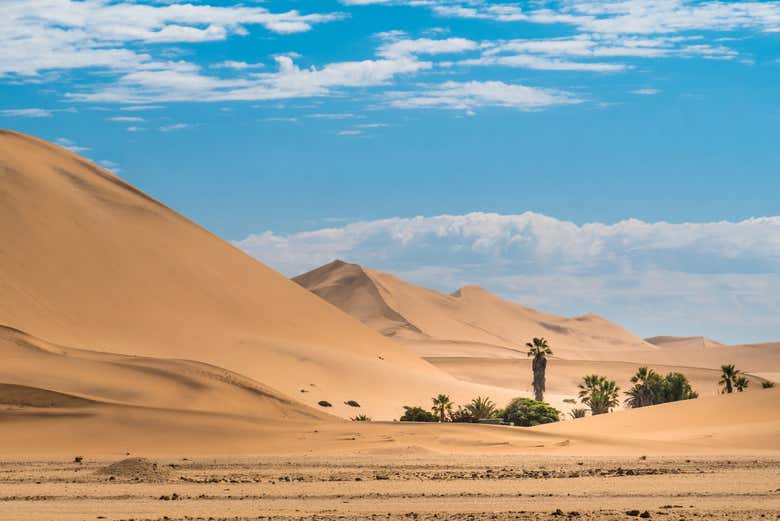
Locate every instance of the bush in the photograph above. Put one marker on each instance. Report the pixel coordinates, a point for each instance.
(352, 403)
(418, 414)
(526, 412)
(463, 415)
(323, 403)
(361, 418)
(767, 385)
(674, 387)
(578, 412)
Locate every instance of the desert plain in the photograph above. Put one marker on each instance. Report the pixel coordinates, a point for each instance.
(151, 370)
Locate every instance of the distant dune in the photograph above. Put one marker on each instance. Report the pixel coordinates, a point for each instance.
(469, 322)
(682, 341)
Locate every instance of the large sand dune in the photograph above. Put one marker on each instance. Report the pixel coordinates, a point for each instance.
(469, 322)
(90, 261)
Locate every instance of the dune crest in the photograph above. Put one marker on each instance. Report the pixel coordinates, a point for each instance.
(468, 322)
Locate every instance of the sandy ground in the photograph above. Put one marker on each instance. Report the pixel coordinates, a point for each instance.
(408, 487)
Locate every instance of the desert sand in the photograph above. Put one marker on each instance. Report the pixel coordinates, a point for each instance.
(127, 331)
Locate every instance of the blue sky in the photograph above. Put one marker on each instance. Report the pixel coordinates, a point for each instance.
(268, 121)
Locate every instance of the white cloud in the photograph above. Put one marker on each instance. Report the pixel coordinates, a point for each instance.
(39, 35)
(613, 16)
(718, 278)
(645, 92)
(174, 126)
(350, 133)
(27, 113)
(126, 119)
(475, 94)
(109, 165)
(239, 65)
(71, 145)
(406, 48)
(335, 115)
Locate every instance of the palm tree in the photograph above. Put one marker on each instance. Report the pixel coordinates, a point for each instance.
(728, 376)
(741, 383)
(598, 393)
(643, 392)
(442, 405)
(539, 349)
(482, 408)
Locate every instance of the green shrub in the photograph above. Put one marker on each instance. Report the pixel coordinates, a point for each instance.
(578, 412)
(361, 418)
(767, 385)
(417, 414)
(526, 412)
(463, 415)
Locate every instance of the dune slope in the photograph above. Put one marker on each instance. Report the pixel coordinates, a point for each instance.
(88, 260)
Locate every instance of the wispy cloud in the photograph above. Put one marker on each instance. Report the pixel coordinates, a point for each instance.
(174, 126)
(27, 113)
(476, 94)
(126, 119)
(71, 145)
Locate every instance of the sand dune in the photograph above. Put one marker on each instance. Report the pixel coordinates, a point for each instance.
(90, 261)
(469, 322)
(682, 341)
(105, 378)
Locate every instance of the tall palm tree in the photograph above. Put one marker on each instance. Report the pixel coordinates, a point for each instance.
(643, 392)
(482, 408)
(539, 349)
(728, 376)
(740, 383)
(598, 393)
(442, 405)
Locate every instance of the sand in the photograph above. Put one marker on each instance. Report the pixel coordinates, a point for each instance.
(411, 488)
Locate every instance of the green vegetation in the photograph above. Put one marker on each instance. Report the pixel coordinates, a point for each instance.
(578, 412)
(417, 414)
(728, 378)
(767, 385)
(442, 407)
(482, 408)
(361, 418)
(650, 388)
(526, 412)
(539, 349)
(741, 383)
(599, 394)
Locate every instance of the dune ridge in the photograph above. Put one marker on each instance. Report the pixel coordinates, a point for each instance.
(469, 322)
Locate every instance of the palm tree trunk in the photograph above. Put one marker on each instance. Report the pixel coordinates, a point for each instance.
(539, 367)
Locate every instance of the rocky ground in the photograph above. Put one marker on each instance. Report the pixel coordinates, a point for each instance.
(390, 487)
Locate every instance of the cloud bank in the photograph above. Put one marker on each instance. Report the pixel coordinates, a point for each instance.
(720, 278)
